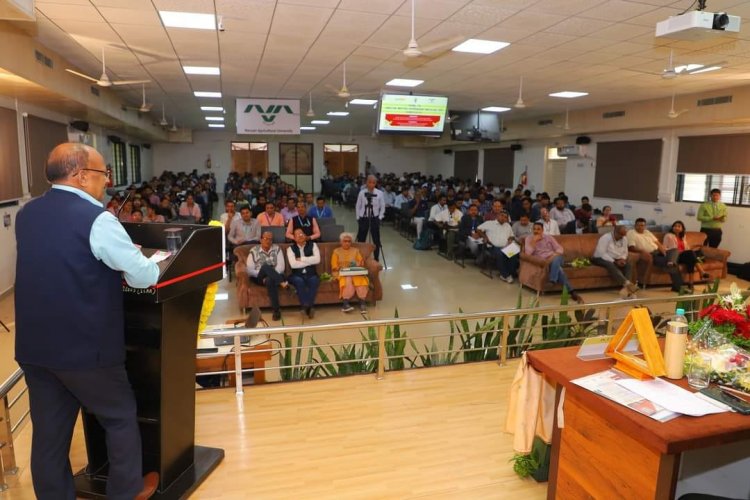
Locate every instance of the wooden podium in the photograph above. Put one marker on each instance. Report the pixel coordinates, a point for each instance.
(160, 330)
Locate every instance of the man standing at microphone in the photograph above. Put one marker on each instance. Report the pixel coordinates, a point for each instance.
(370, 209)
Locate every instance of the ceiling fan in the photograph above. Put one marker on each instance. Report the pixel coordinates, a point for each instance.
(674, 114)
(103, 80)
(519, 103)
(310, 113)
(414, 50)
(343, 92)
(163, 122)
(174, 128)
(672, 71)
(145, 106)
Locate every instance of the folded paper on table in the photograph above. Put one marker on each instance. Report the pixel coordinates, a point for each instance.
(511, 249)
(606, 384)
(670, 396)
(159, 256)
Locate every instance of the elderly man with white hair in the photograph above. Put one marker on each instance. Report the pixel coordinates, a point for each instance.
(370, 209)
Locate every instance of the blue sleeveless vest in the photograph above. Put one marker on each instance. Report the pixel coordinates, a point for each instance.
(69, 305)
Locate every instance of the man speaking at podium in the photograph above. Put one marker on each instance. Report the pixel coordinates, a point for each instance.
(70, 340)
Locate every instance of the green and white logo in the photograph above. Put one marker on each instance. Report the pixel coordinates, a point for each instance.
(268, 116)
(272, 110)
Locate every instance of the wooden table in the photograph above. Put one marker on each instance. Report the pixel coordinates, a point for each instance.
(606, 450)
(223, 361)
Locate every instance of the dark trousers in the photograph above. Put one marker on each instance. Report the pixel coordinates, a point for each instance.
(55, 397)
(508, 266)
(271, 279)
(306, 286)
(713, 236)
(673, 270)
(620, 274)
(373, 224)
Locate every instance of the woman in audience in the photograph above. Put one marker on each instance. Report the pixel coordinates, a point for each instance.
(126, 211)
(165, 209)
(606, 218)
(151, 215)
(347, 256)
(678, 252)
(189, 208)
(303, 256)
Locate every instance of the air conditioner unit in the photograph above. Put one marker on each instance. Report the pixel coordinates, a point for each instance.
(571, 151)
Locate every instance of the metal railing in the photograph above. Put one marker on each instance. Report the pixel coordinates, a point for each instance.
(604, 321)
(7, 428)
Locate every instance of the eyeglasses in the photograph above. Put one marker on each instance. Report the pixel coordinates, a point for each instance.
(106, 173)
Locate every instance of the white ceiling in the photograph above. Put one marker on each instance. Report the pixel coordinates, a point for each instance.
(289, 48)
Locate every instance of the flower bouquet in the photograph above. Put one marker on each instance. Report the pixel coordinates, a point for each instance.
(580, 262)
(722, 334)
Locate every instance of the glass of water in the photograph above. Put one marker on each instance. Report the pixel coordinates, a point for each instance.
(699, 373)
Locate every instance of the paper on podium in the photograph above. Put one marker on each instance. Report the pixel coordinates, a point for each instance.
(159, 256)
(511, 249)
(670, 396)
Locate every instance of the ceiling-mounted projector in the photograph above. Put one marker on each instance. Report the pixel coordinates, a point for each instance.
(698, 25)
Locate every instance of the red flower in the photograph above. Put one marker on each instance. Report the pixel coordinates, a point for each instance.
(710, 309)
(743, 330)
(721, 316)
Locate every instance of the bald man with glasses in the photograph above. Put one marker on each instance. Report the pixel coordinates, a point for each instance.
(73, 355)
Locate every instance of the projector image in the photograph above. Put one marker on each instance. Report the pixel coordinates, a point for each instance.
(698, 25)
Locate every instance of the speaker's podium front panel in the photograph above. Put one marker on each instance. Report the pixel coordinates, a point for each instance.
(161, 324)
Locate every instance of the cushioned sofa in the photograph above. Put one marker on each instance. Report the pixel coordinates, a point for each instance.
(250, 294)
(533, 272)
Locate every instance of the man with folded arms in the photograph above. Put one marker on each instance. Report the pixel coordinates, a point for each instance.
(73, 354)
(612, 254)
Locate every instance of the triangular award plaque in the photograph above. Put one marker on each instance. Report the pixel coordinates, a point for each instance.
(637, 323)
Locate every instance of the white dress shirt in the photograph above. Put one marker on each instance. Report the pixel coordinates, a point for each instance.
(378, 204)
(607, 248)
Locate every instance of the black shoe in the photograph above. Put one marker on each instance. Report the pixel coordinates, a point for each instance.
(576, 297)
(705, 276)
(311, 312)
(276, 315)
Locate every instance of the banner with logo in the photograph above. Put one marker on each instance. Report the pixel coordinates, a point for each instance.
(268, 116)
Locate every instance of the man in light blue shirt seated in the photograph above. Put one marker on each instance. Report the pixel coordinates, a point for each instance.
(321, 210)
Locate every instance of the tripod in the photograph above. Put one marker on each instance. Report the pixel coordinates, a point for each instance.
(369, 214)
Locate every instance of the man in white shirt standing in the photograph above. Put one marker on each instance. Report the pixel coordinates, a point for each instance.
(499, 234)
(370, 209)
(548, 223)
(612, 254)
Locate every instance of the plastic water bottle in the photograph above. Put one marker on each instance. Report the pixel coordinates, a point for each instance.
(675, 345)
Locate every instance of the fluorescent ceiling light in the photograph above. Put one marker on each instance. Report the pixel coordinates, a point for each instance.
(364, 102)
(214, 118)
(200, 93)
(496, 109)
(201, 70)
(215, 125)
(476, 46)
(408, 286)
(172, 19)
(212, 108)
(567, 94)
(320, 122)
(705, 70)
(338, 113)
(221, 296)
(308, 128)
(403, 82)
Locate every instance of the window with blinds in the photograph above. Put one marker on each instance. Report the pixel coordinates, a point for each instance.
(119, 164)
(135, 162)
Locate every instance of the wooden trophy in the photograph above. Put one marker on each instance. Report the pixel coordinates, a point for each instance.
(637, 323)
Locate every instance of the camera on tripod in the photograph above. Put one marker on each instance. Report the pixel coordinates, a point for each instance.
(370, 196)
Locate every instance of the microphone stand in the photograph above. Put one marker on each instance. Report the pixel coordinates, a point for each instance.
(119, 209)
